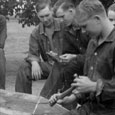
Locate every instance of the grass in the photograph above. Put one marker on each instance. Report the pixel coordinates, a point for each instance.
(15, 50)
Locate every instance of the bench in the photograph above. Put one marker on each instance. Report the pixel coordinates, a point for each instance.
(13, 103)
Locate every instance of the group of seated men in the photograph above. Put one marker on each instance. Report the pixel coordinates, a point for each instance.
(73, 37)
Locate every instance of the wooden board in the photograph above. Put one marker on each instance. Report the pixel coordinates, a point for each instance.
(13, 103)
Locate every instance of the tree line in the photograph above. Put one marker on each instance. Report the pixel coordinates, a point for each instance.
(25, 10)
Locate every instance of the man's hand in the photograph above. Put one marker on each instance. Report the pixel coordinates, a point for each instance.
(53, 53)
(84, 84)
(54, 98)
(67, 57)
(36, 70)
(65, 100)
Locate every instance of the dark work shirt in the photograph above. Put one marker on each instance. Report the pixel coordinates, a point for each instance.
(100, 66)
(39, 42)
(75, 42)
(3, 31)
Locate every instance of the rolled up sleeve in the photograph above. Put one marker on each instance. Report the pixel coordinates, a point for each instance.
(106, 88)
(34, 51)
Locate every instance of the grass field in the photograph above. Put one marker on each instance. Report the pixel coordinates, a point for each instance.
(16, 48)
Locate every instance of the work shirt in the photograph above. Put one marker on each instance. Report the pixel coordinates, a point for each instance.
(3, 31)
(40, 43)
(100, 67)
(75, 42)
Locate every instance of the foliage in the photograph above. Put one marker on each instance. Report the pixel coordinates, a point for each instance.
(28, 16)
(25, 10)
(7, 7)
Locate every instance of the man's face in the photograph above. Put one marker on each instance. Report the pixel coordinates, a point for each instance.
(111, 16)
(66, 16)
(91, 26)
(45, 16)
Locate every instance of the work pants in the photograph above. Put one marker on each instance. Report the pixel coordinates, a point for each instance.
(61, 77)
(24, 76)
(2, 69)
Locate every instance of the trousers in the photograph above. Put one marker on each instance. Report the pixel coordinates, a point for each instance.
(24, 77)
(2, 69)
(61, 77)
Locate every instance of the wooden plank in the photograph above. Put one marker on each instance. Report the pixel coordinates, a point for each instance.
(47, 109)
(31, 98)
(4, 111)
(13, 103)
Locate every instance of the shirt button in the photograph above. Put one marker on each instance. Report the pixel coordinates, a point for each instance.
(95, 53)
(91, 68)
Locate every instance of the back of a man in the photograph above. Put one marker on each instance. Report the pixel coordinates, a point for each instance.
(3, 36)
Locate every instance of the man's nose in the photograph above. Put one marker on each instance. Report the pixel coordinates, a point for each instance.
(61, 19)
(114, 22)
(45, 19)
(83, 30)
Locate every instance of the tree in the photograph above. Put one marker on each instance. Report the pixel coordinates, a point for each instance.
(25, 10)
(7, 7)
(28, 16)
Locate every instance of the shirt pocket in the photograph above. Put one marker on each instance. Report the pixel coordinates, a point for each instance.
(103, 67)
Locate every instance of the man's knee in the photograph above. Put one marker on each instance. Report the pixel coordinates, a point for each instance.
(23, 84)
(24, 71)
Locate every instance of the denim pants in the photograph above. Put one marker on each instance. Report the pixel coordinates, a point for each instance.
(2, 69)
(61, 77)
(24, 77)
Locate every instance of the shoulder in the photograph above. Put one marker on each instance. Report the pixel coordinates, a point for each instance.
(35, 30)
(2, 19)
(59, 22)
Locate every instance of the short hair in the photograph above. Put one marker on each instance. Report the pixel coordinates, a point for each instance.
(112, 7)
(57, 4)
(41, 4)
(66, 4)
(89, 8)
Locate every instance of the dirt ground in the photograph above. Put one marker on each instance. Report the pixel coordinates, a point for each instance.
(16, 49)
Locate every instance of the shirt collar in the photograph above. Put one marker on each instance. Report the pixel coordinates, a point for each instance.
(71, 29)
(56, 26)
(111, 36)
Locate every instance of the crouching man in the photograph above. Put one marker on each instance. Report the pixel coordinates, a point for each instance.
(96, 88)
(46, 37)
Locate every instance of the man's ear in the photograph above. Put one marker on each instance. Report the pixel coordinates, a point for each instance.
(70, 10)
(38, 15)
(97, 18)
(52, 8)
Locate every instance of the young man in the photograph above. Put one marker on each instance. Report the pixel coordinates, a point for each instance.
(111, 13)
(46, 37)
(97, 85)
(3, 36)
(74, 47)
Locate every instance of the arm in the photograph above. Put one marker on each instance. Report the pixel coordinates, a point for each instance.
(81, 59)
(68, 46)
(34, 50)
(34, 55)
(3, 31)
(106, 88)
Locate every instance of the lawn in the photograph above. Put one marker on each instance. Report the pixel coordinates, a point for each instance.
(16, 49)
